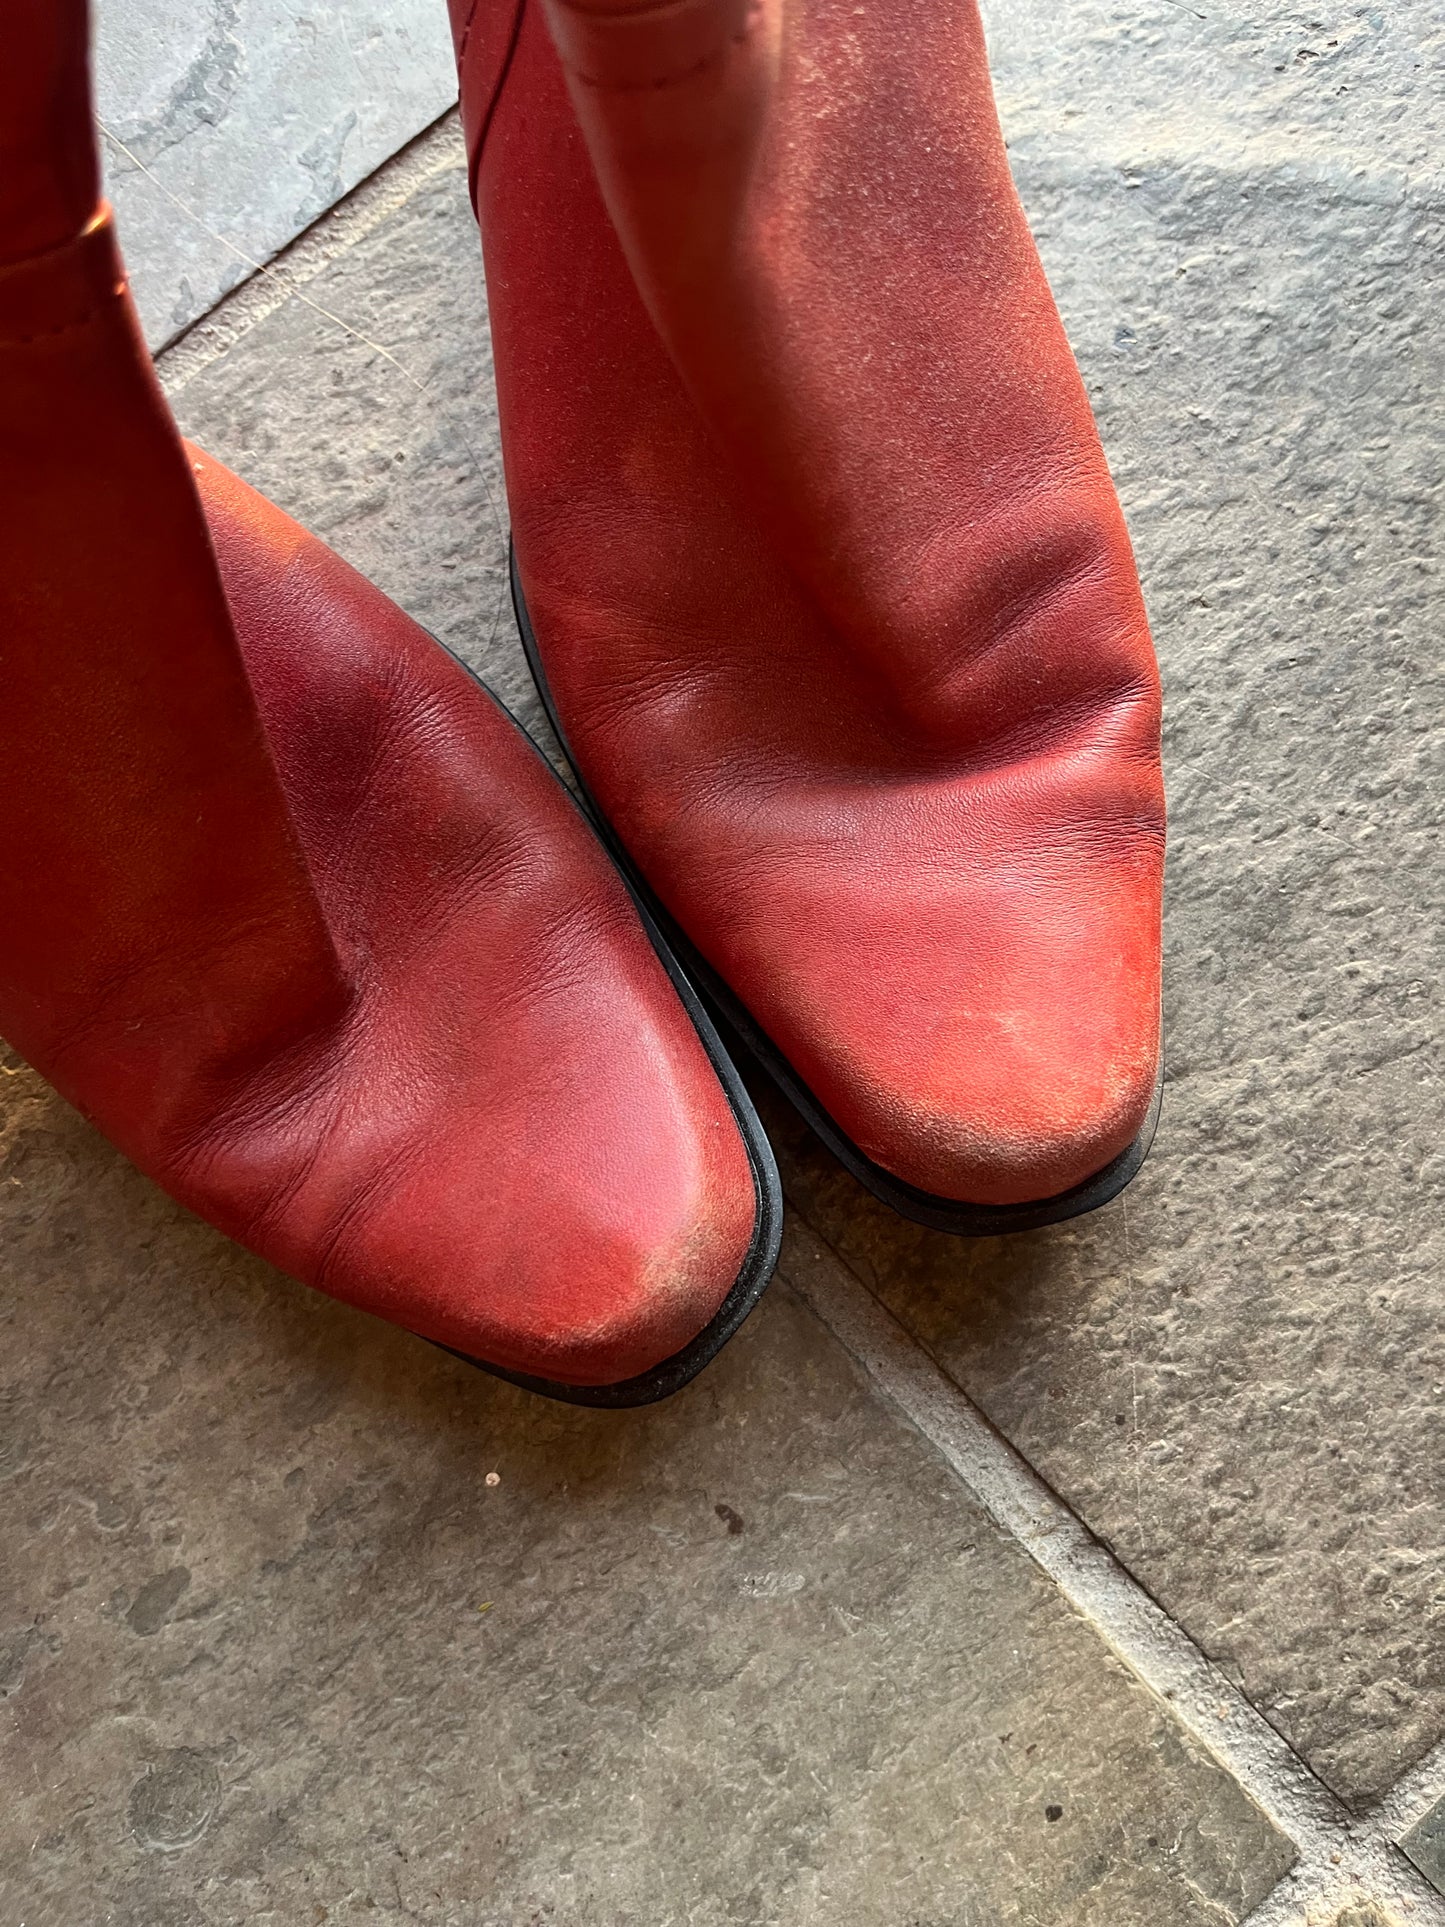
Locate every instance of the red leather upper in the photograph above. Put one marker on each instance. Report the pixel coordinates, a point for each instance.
(515, 1141)
(295, 913)
(824, 562)
(49, 168)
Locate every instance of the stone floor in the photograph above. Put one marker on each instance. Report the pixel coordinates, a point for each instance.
(1094, 1576)
(230, 125)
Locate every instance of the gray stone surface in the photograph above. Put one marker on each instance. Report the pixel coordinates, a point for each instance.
(273, 1648)
(246, 119)
(1425, 1845)
(1238, 1376)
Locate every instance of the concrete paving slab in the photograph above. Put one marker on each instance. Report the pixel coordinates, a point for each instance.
(303, 1620)
(232, 124)
(1238, 1375)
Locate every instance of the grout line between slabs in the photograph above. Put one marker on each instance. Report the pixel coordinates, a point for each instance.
(1422, 1788)
(1343, 1857)
(330, 235)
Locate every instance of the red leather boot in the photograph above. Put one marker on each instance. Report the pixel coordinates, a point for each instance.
(290, 907)
(823, 575)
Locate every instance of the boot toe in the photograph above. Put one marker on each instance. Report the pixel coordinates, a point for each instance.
(587, 1263)
(1016, 1131)
(1000, 1049)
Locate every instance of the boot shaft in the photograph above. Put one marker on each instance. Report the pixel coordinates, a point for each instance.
(49, 173)
(161, 927)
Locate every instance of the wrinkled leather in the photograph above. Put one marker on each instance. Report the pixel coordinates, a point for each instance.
(292, 910)
(827, 573)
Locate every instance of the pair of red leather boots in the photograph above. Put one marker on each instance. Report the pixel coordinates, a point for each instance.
(823, 578)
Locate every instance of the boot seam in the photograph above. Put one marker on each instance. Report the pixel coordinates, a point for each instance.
(503, 74)
(65, 328)
(57, 278)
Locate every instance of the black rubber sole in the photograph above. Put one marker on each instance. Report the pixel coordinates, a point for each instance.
(762, 1254)
(922, 1207)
